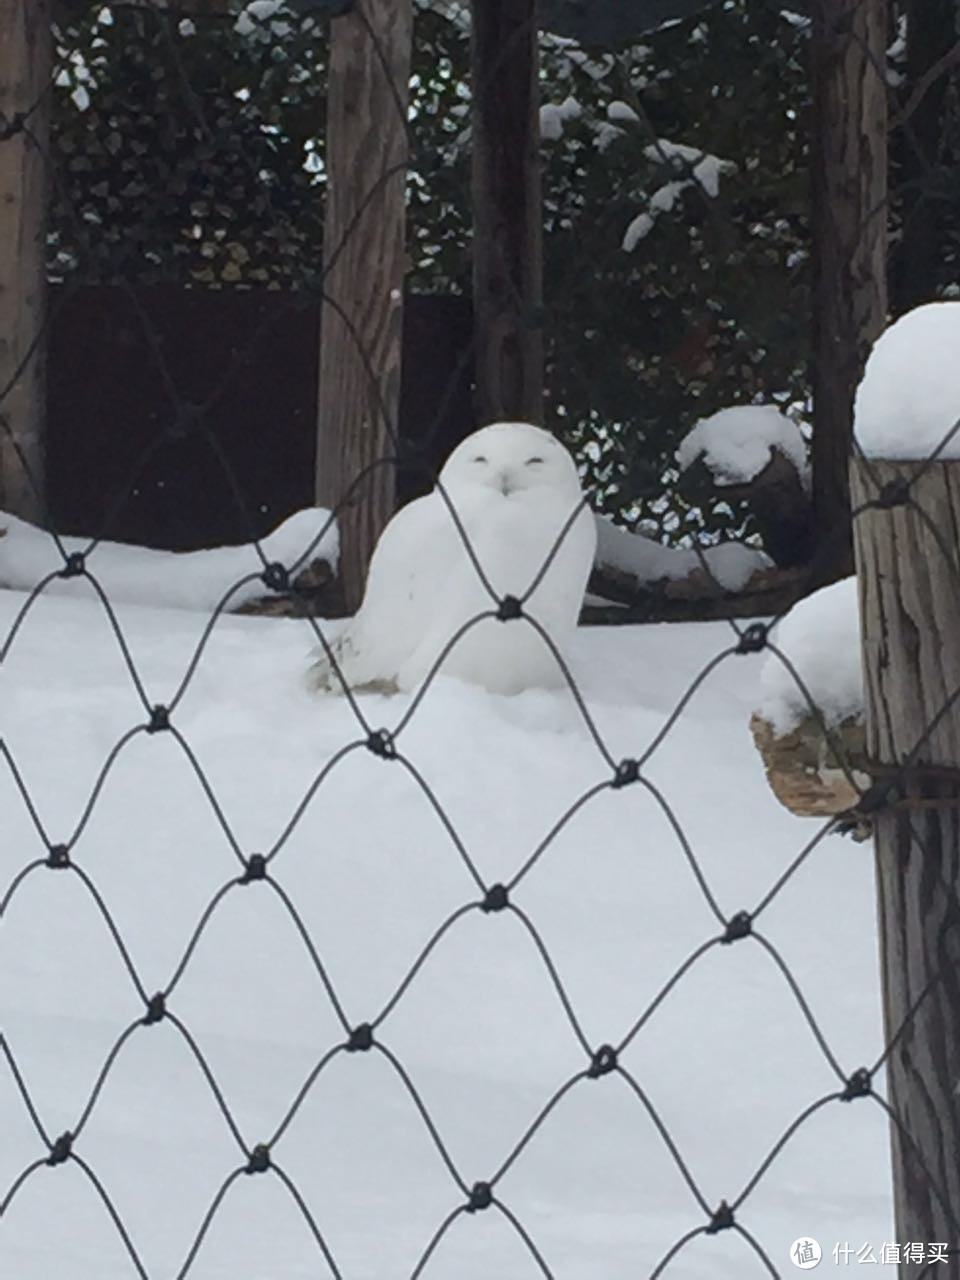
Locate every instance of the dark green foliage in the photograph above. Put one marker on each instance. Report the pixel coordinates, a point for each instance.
(610, 22)
(710, 308)
(193, 153)
(180, 148)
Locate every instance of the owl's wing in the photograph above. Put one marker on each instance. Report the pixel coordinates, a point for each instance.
(410, 568)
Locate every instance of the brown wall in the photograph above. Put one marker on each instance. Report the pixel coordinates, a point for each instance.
(157, 396)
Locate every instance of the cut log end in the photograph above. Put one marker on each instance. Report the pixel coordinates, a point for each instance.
(810, 774)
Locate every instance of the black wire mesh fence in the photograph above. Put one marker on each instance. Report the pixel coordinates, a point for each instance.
(262, 871)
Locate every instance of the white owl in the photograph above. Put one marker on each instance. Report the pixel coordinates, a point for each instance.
(517, 498)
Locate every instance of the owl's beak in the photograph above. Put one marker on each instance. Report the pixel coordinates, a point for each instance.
(506, 487)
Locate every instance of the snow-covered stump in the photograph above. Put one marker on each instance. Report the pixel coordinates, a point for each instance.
(908, 567)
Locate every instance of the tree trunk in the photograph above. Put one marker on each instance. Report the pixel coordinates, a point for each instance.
(25, 72)
(931, 32)
(910, 612)
(849, 165)
(507, 212)
(364, 267)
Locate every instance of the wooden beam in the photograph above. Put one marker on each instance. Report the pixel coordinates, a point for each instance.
(507, 211)
(849, 166)
(910, 622)
(26, 48)
(364, 266)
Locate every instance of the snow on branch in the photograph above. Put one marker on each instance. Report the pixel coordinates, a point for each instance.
(694, 169)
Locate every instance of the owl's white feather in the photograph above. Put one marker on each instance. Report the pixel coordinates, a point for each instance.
(519, 504)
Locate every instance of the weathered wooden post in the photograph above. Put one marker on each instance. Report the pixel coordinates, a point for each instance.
(507, 211)
(849, 217)
(908, 565)
(364, 267)
(25, 69)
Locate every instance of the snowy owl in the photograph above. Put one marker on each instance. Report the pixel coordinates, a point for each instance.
(520, 508)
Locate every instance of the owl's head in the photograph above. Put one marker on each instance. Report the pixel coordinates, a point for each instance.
(513, 457)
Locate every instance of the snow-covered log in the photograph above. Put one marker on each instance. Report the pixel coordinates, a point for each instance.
(306, 544)
(645, 581)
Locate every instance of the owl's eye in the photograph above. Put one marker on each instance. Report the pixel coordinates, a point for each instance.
(478, 458)
(531, 461)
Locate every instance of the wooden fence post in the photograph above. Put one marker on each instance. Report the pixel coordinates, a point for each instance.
(908, 566)
(364, 267)
(26, 47)
(849, 228)
(507, 211)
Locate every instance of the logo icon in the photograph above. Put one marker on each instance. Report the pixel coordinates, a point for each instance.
(805, 1253)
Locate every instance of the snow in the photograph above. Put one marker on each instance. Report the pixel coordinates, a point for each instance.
(737, 443)
(704, 169)
(605, 134)
(638, 229)
(698, 169)
(732, 564)
(554, 115)
(622, 112)
(820, 637)
(727, 1059)
(182, 580)
(254, 15)
(706, 173)
(665, 197)
(908, 402)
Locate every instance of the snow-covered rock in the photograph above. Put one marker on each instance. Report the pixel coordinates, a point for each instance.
(909, 399)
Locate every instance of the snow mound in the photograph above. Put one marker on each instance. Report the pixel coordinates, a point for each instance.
(178, 579)
(732, 564)
(909, 398)
(737, 443)
(820, 637)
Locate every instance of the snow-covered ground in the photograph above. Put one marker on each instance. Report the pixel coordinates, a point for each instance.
(727, 1060)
